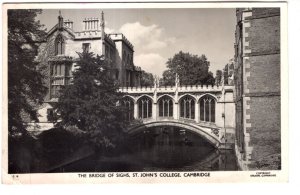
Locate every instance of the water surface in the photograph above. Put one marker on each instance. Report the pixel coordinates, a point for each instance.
(159, 149)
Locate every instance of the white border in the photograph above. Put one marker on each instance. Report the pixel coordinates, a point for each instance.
(218, 176)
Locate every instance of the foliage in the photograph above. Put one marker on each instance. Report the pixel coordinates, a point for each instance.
(228, 71)
(20, 153)
(25, 82)
(34, 153)
(209, 79)
(147, 79)
(191, 69)
(91, 102)
(218, 78)
(168, 78)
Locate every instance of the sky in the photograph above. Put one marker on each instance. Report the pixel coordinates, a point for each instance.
(158, 34)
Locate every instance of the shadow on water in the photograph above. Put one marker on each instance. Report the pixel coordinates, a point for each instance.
(159, 149)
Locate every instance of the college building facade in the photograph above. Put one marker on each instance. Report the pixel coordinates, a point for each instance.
(58, 53)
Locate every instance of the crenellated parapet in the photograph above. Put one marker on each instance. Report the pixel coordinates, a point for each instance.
(68, 23)
(88, 34)
(180, 89)
(120, 37)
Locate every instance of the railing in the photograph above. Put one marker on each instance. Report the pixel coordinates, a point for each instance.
(88, 33)
(185, 88)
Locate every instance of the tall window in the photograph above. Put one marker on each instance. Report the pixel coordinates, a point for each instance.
(187, 107)
(127, 60)
(111, 54)
(86, 47)
(54, 70)
(68, 70)
(55, 91)
(207, 109)
(165, 106)
(51, 115)
(145, 107)
(58, 70)
(117, 74)
(124, 57)
(128, 78)
(129, 105)
(59, 45)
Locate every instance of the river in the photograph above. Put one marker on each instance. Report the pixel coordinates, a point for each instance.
(159, 149)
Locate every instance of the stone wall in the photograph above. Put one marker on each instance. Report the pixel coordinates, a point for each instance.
(258, 105)
(264, 74)
(265, 126)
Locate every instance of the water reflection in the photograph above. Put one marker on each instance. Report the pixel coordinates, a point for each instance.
(159, 149)
(174, 149)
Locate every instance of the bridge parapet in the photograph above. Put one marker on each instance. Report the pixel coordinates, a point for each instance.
(168, 89)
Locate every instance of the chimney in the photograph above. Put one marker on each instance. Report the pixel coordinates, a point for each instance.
(69, 24)
(60, 21)
(90, 24)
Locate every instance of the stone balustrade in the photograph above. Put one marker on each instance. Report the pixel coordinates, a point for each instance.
(168, 89)
(88, 34)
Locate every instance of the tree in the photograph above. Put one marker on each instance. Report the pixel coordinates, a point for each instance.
(228, 71)
(147, 79)
(226, 74)
(92, 102)
(25, 82)
(191, 69)
(218, 77)
(168, 78)
(209, 79)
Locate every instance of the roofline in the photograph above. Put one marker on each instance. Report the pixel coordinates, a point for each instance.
(55, 27)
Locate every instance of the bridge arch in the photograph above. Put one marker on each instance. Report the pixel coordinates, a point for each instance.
(201, 131)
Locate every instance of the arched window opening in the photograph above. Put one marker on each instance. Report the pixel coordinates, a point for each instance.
(129, 106)
(165, 106)
(145, 107)
(117, 75)
(55, 91)
(187, 107)
(127, 60)
(207, 109)
(130, 60)
(124, 58)
(59, 45)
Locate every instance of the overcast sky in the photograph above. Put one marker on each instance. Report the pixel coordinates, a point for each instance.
(157, 34)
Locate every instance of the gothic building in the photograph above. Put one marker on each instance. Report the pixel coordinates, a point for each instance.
(59, 54)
